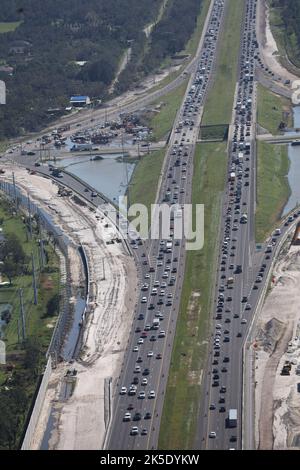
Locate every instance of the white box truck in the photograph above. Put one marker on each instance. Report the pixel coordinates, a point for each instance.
(232, 418)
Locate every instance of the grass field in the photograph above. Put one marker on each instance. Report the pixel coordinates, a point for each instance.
(218, 107)
(8, 27)
(272, 109)
(162, 122)
(183, 391)
(144, 182)
(272, 187)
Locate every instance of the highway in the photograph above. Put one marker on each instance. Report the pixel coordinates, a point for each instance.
(237, 262)
(136, 416)
(242, 268)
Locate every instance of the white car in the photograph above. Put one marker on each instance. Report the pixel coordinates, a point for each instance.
(151, 394)
(137, 369)
(123, 391)
(145, 381)
(135, 349)
(142, 395)
(244, 321)
(150, 354)
(134, 431)
(127, 417)
(160, 263)
(140, 341)
(144, 300)
(212, 435)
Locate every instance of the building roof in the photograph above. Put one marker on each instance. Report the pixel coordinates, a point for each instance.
(79, 98)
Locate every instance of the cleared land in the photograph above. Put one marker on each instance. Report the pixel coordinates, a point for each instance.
(183, 391)
(218, 107)
(144, 183)
(8, 27)
(272, 186)
(273, 109)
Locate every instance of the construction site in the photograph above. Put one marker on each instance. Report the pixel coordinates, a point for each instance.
(277, 356)
(76, 406)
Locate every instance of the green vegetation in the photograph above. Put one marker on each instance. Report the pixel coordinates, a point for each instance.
(272, 187)
(192, 45)
(45, 47)
(173, 31)
(274, 112)
(162, 121)
(8, 27)
(285, 26)
(218, 132)
(144, 183)
(184, 384)
(24, 359)
(218, 108)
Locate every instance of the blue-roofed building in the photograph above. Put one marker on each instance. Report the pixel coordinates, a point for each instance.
(79, 101)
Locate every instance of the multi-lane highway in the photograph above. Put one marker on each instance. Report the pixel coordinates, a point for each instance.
(237, 260)
(139, 394)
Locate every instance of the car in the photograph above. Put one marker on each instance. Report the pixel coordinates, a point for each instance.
(148, 415)
(138, 330)
(223, 389)
(150, 354)
(137, 416)
(222, 409)
(127, 417)
(140, 341)
(144, 300)
(244, 321)
(137, 369)
(226, 359)
(158, 356)
(145, 381)
(212, 406)
(134, 431)
(239, 335)
(151, 394)
(141, 395)
(135, 380)
(144, 334)
(224, 369)
(130, 406)
(123, 391)
(153, 338)
(144, 432)
(146, 371)
(233, 439)
(139, 359)
(212, 435)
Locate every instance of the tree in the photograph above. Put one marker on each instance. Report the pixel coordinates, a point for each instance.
(10, 269)
(53, 305)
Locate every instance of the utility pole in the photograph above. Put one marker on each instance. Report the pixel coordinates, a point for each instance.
(15, 190)
(34, 281)
(29, 215)
(22, 314)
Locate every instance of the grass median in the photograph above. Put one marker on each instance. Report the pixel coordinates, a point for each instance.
(183, 392)
(144, 182)
(163, 119)
(272, 187)
(273, 109)
(218, 109)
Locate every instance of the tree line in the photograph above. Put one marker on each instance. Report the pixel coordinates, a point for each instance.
(289, 11)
